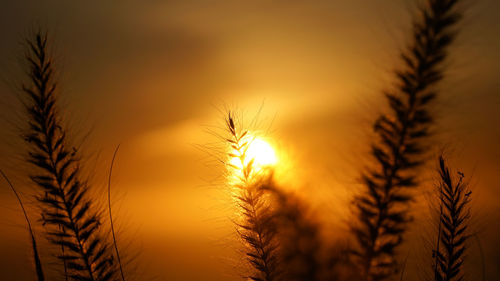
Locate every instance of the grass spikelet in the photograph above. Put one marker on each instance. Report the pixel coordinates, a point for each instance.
(454, 198)
(36, 258)
(70, 218)
(382, 207)
(256, 226)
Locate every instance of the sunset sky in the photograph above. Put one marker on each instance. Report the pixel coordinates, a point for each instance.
(157, 77)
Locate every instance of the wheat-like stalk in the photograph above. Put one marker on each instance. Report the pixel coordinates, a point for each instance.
(381, 209)
(256, 228)
(450, 249)
(38, 264)
(68, 214)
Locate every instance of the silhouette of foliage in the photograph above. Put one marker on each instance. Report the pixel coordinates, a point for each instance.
(257, 227)
(454, 198)
(381, 208)
(300, 242)
(67, 211)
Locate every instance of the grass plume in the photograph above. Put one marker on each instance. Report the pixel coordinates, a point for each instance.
(68, 214)
(454, 198)
(256, 227)
(38, 264)
(382, 207)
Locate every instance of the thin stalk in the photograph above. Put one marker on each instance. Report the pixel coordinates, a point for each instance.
(436, 250)
(110, 214)
(36, 257)
(481, 252)
(402, 275)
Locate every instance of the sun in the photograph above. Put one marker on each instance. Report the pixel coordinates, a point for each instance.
(258, 152)
(262, 153)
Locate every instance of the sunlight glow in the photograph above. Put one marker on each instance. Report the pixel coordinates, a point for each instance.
(262, 153)
(259, 151)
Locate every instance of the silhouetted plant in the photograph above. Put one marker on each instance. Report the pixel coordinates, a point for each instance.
(71, 219)
(257, 226)
(36, 258)
(399, 149)
(300, 242)
(453, 218)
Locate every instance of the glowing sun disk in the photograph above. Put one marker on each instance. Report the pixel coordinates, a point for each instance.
(262, 153)
(258, 150)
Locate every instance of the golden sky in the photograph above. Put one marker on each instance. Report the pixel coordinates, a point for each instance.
(155, 75)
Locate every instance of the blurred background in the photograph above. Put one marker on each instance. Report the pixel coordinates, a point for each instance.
(157, 77)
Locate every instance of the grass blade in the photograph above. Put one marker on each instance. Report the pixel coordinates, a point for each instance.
(110, 214)
(36, 257)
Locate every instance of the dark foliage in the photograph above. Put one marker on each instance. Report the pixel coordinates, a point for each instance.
(300, 242)
(257, 227)
(454, 214)
(67, 211)
(303, 254)
(400, 146)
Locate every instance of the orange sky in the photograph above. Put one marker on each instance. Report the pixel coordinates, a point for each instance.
(154, 75)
